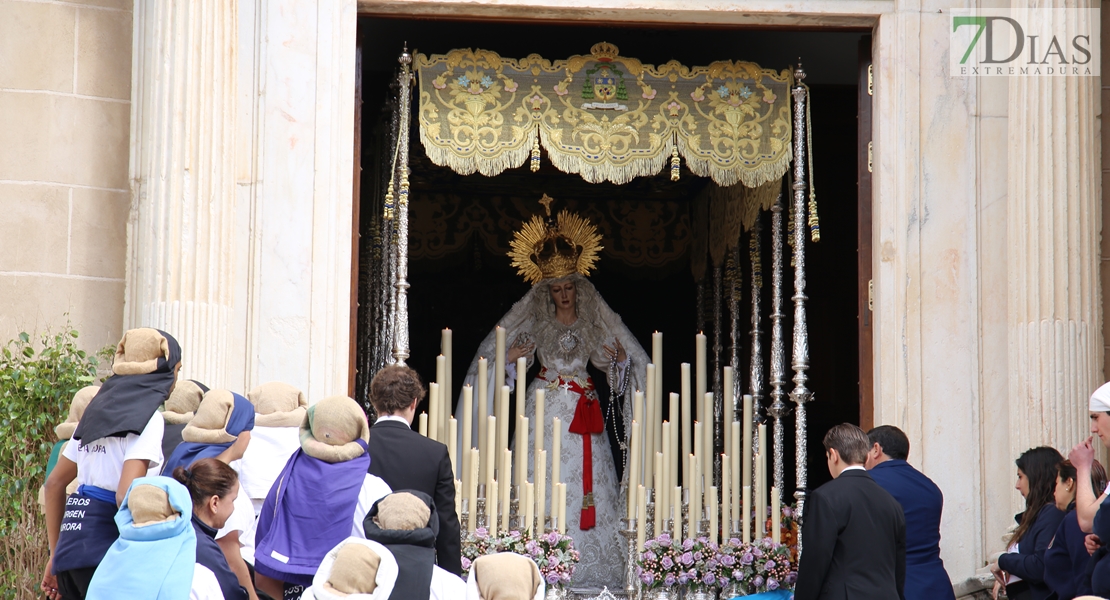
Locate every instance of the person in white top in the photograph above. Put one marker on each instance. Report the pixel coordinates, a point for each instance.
(118, 439)
(504, 576)
(356, 569)
(279, 411)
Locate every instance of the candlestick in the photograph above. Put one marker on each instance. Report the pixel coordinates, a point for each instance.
(467, 429)
(556, 451)
(699, 389)
(506, 488)
(746, 515)
(423, 426)
(521, 384)
(728, 394)
(529, 507)
(493, 503)
(776, 517)
(503, 433)
(522, 450)
(657, 526)
(734, 468)
(649, 425)
(708, 454)
(452, 444)
(641, 517)
(676, 513)
(762, 483)
(499, 359)
(433, 411)
(711, 501)
(483, 405)
(490, 452)
(686, 423)
(633, 470)
(747, 447)
(540, 473)
(445, 349)
(726, 498)
(540, 402)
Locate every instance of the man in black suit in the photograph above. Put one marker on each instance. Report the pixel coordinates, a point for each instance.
(407, 460)
(854, 533)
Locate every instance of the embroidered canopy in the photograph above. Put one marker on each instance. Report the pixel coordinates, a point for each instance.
(604, 116)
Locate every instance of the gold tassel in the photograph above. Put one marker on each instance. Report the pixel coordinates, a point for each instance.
(535, 154)
(814, 223)
(676, 171)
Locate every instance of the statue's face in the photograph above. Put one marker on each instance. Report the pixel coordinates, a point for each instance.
(564, 294)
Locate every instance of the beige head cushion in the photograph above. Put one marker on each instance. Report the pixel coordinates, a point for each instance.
(506, 576)
(76, 408)
(183, 402)
(354, 570)
(403, 511)
(278, 404)
(209, 426)
(138, 352)
(331, 427)
(150, 505)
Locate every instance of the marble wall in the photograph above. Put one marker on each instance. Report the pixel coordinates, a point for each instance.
(65, 90)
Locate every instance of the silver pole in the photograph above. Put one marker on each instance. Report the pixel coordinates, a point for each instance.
(800, 364)
(778, 352)
(401, 322)
(756, 374)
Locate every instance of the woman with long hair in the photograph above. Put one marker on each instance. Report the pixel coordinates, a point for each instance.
(212, 487)
(1066, 558)
(1021, 569)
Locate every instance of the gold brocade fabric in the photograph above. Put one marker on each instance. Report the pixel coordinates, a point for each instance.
(604, 116)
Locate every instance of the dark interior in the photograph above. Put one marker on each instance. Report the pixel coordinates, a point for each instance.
(469, 288)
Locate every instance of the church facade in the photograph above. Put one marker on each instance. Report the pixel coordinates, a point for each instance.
(189, 166)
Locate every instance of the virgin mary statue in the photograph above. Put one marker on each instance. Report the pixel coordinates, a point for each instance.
(565, 324)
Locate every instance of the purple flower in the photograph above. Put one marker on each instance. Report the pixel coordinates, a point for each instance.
(687, 544)
(711, 564)
(772, 584)
(552, 578)
(734, 541)
(747, 558)
(648, 555)
(514, 534)
(757, 582)
(787, 511)
(667, 562)
(692, 574)
(686, 559)
(465, 563)
(650, 544)
(481, 533)
(698, 556)
(737, 574)
(553, 538)
(664, 539)
(728, 560)
(647, 578)
(709, 579)
(769, 565)
(791, 577)
(757, 553)
(669, 580)
(553, 560)
(683, 579)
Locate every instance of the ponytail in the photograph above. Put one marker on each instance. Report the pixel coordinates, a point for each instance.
(206, 478)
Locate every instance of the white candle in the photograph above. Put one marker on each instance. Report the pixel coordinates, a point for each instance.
(490, 451)
(707, 433)
(433, 411)
(521, 385)
(676, 513)
(633, 470)
(483, 408)
(472, 491)
(423, 426)
(529, 507)
(726, 499)
(453, 444)
(467, 427)
(506, 488)
(442, 408)
(445, 350)
(686, 423)
(521, 452)
(540, 402)
(760, 498)
(734, 468)
(711, 501)
(673, 454)
(499, 359)
(638, 406)
(695, 498)
(556, 451)
(746, 515)
(747, 444)
(503, 434)
(663, 486)
(776, 517)
(641, 517)
(540, 471)
(493, 499)
(699, 357)
(649, 425)
(657, 360)
(658, 505)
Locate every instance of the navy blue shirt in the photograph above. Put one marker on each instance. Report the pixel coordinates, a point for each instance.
(922, 503)
(1066, 559)
(209, 554)
(1028, 562)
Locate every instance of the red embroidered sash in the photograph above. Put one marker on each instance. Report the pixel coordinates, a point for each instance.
(587, 421)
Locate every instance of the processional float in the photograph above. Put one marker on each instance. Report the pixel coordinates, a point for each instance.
(611, 118)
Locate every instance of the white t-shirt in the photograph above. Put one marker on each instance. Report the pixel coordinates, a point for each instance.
(242, 520)
(264, 458)
(205, 585)
(374, 488)
(100, 462)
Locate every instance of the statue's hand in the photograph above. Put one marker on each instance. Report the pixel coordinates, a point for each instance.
(616, 351)
(519, 349)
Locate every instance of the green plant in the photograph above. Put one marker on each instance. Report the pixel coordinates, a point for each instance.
(37, 382)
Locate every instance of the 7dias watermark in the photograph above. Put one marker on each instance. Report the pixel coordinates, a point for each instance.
(1024, 42)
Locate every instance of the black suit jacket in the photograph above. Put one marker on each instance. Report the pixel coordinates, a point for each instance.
(406, 460)
(854, 542)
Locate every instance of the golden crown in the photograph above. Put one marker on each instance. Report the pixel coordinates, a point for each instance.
(604, 50)
(547, 248)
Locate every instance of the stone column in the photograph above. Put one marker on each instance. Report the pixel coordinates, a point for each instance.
(1053, 223)
(180, 263)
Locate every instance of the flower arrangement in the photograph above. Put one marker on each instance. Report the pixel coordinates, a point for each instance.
(764, 566)
(758, 567)
(553, 552)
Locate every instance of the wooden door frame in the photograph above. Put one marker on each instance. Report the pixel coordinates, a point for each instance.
(864, 162)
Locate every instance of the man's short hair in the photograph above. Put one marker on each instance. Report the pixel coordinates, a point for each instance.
(394, 388)
(892, 440)
(849, 441)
